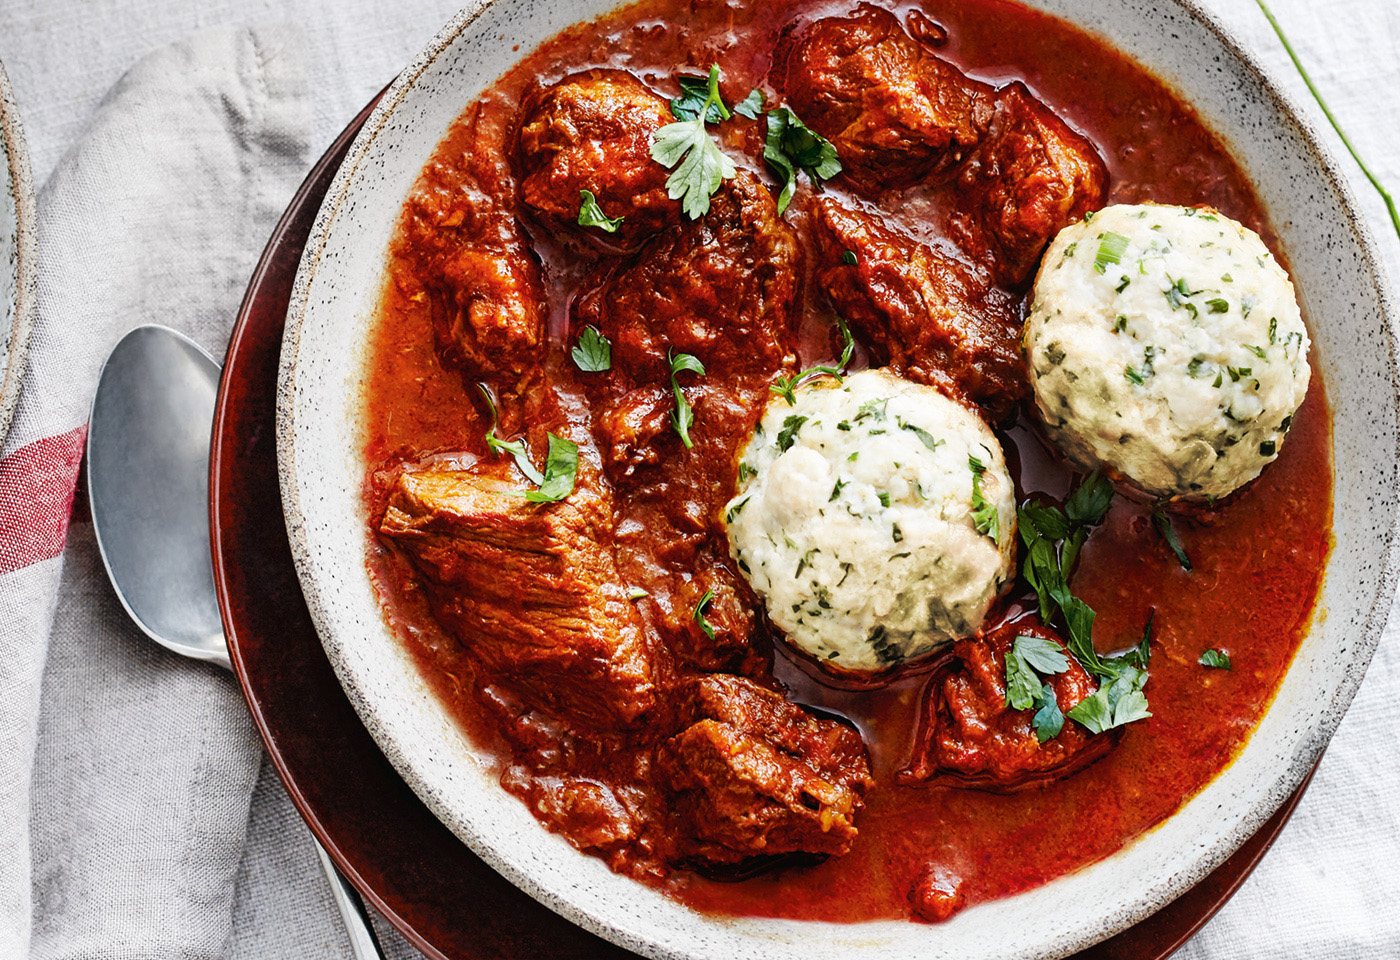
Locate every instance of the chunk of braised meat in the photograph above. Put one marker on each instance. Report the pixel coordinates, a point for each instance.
(754, 775)
(592, 131)
(531, 590)
(969, 737)
(474, 264)
(895, 112)
(919, 310)
(723, 289)
(1030, 178)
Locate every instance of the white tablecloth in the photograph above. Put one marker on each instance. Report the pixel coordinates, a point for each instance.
(1323, 892)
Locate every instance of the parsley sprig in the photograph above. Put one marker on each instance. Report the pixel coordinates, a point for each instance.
(786, 387)
(791, 146)
(683, 417)
(560, 464)
(700, 165)
(1053, 539)
(515, 448)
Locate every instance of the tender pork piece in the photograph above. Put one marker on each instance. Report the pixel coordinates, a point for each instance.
(477, 269)
(530, 589)
(920, 311)
(969, 737)
(723, 289)
(754, 775)
(592, 131)
(895, 112)
(1031, 177)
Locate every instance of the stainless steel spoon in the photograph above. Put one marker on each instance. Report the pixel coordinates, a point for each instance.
(148, 483)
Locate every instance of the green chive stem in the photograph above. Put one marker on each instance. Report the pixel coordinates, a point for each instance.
(1346, 141)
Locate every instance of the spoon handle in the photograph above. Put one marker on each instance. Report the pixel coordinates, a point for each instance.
(363, 943)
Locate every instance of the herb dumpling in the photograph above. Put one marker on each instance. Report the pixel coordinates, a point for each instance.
(1165, 344)
(876, 519)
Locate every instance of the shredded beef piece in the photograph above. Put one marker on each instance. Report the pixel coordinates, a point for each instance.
(592, 131)
(895, 112)
(969, 736)
(1028, 180)
(530, 589)
(919, 310)
(754, 775)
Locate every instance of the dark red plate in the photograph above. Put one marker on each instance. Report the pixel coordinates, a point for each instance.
(427, 883)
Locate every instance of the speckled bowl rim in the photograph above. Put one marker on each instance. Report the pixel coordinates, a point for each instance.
(27, 240)
(1314, 743)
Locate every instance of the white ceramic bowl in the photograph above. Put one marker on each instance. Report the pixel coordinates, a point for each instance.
(321, 470)
(18, 254)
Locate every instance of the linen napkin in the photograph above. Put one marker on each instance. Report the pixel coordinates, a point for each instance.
(125, 785)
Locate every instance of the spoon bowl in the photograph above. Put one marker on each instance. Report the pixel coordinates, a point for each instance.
(148, 456)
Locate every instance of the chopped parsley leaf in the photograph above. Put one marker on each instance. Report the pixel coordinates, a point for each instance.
(593, 353)
(1257, 351)
(560, 471)
(683, 417)
(848, 257)
(788, 434)
(592, 215)
(699, 615)
(1168, 532)
(751, 106)
(1048, 721)
(1215, 659)
(922, 434)
(1218, 305)
(984, 514)
(735, 510)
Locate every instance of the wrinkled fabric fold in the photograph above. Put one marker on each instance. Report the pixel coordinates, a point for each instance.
(132, 769)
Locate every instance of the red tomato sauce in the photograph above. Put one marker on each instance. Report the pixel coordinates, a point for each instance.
(1258, 558)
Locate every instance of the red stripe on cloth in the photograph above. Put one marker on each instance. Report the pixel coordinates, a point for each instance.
(36, 497)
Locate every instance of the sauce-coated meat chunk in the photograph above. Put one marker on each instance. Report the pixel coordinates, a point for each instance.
(529, 589)
(753, 775)
(723, 290)
(592, 131)
(1030, 178)
(476, 269)
(895, 112)
(920, 311)
(970, 737)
